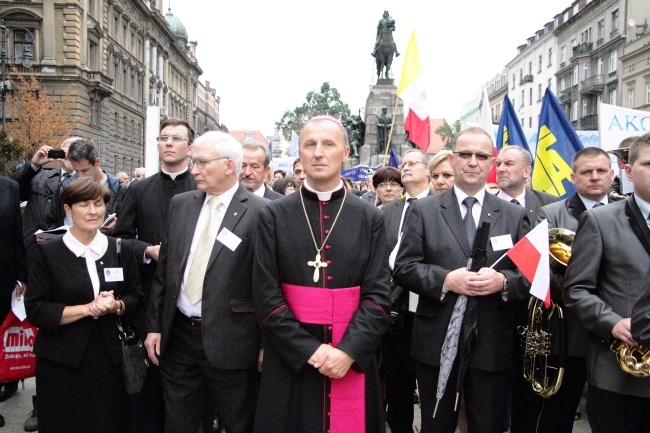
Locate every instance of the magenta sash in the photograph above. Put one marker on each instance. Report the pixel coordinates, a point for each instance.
(334, 307)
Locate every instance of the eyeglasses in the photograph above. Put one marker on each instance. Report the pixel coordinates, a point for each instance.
(200, 163)
(468, 155)
(174, 138)
(410, 164)
(385, 185)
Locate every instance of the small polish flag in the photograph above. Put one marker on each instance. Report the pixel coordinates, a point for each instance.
(531, 255)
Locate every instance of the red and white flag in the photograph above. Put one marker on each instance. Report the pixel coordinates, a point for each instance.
(411, 90)
(531, 255)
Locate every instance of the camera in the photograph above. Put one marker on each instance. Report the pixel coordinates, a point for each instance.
(56, 154)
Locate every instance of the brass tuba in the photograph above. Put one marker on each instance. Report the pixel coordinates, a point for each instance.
(544, 337)
(634, 360)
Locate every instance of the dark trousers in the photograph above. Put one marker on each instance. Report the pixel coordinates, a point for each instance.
(610, 412)
(147, 409)
(398, 371)
(191, 383)
(534, 414)
(485, 395)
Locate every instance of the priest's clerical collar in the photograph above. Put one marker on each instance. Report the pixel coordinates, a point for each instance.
(173, 175)
(322, 196)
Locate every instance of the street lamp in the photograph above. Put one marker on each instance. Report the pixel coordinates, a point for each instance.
(28, 62)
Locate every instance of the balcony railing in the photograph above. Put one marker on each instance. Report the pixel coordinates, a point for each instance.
(593, 85)
(589, 122)
(583, 48)
(526, 79)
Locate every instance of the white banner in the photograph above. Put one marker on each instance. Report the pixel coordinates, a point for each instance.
(616, 124)
(285, 164)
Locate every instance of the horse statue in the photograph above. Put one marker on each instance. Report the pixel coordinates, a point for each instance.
(385, 45)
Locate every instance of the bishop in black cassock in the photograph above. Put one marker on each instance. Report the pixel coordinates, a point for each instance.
(293, 394)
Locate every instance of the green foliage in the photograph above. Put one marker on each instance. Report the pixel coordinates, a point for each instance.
(327, 101)
(448, 132)
(10, 155)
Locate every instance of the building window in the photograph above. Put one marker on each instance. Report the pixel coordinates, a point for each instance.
(93, 55)
(585, 36)
(539, 63)
(574, 75)
(513, 82)
(523, 95)
(127, 133)
(116, 29)
(615, 21)
(574, 42)
(584, 107)
(574, 111)
(539, 92)
(585, 70)
(550, 57)
(630, 98)
(521, 74)
(647, 93)
(95, 111)
(599, 66)
(562, 84)
(601, 29)
(563, 54)
(613, 62)
(530, 122)
(530, 96)
(116, 120)
(530, 68)
(612, 97)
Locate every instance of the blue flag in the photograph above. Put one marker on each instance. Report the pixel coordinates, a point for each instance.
(295, 141)
(393, 159)
(557, 143)
(510, 131)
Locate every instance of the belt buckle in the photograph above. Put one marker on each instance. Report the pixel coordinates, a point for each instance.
(195, 322)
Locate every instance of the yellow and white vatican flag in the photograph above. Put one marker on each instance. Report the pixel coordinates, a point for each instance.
(411, 90)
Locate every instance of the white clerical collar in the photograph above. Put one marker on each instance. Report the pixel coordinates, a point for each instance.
(173, 175)
(461, 195)
(98, 246)
(260, 191)
(322, 195)
(590, 203)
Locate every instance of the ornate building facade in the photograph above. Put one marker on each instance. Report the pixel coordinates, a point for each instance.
(113, 58)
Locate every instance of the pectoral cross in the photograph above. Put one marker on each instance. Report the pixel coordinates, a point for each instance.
(317, 264)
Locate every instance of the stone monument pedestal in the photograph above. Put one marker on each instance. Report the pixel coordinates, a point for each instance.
(383, 94)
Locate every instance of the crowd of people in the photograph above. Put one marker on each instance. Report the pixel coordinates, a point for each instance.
(301, 302)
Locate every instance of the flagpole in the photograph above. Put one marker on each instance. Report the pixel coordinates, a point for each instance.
(390, 133)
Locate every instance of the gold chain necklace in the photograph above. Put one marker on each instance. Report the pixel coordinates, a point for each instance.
(316, 263)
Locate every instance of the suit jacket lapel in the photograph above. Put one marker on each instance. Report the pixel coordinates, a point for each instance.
(233, 215)
(451, 213)
(192, 209)
(491, 211)
(576, 206)
(637, 221)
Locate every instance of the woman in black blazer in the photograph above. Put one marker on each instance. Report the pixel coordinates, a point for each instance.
(76, 288)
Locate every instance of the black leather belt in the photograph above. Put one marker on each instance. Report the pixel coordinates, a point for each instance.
(194, 322)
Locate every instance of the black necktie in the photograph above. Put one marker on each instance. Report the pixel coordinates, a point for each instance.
(514, 201)
(468, 221)
(598, 204)
(408, 210)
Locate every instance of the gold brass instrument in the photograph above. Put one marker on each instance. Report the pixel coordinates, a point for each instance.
(634, 360)
(622, 154)
(545, 353)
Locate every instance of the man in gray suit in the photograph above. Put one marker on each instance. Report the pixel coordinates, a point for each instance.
(255, 168)
(200, 322)
(604, 278)
(592, 175)
(432, 261)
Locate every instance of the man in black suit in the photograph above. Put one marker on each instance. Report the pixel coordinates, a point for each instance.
(592, 175)
(13, 261)
(432, 261)
(142, 220)
(605, 277)
(201, 323)
(40, 188)
(255, 169)
(397, 367)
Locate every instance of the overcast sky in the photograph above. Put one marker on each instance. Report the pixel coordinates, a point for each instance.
(264, 56)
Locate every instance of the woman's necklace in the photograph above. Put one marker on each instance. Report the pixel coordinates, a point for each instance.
(316, 263)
